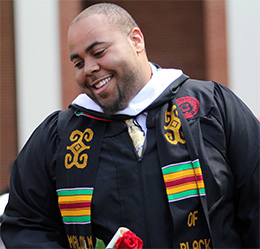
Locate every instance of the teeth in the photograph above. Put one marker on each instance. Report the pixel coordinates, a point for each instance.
(102, 82)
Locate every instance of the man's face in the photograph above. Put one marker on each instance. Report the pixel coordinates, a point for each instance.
(105, 61)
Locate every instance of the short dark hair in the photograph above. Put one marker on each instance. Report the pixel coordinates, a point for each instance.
(115, 14)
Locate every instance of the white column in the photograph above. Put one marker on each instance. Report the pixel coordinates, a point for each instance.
(243, 30)
(37, 63)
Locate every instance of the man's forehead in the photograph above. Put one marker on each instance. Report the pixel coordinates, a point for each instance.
(89, 30)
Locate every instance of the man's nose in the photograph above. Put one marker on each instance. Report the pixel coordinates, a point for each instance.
(90, 67)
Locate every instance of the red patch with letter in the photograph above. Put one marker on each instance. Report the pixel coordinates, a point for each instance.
(188, 105)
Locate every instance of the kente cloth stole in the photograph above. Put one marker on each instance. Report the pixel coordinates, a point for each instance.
(136, 134)
(182, 174)
(78, 156)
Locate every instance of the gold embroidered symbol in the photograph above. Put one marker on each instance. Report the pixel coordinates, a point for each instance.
(173, 126)
(79, 158)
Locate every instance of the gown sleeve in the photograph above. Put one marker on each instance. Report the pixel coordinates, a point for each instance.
(32, 218)
(243, 144)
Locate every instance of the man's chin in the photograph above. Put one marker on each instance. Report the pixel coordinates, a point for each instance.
(112, 109)
(117, 104)
(109, 111)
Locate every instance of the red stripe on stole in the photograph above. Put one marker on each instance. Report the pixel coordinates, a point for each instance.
(75, 205)
(183, 181)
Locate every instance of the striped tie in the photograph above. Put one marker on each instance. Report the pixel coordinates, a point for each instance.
(136, 135)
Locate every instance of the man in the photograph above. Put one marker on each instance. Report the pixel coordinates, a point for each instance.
(194, 183)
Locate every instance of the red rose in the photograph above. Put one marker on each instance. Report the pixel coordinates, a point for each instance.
(129, 240)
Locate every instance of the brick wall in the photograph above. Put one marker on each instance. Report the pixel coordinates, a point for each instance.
(8, 132)
(215, 41)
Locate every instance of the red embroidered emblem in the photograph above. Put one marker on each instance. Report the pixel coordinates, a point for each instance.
(188, 105)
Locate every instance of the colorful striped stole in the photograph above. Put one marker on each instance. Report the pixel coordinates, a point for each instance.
(183, 180)
(75, 205)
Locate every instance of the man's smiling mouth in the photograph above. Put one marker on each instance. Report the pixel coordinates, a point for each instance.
(102, 82)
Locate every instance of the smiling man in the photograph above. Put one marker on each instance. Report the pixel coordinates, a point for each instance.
(109, 58)
(188, 178)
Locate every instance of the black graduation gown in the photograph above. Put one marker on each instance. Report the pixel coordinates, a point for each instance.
(81, 151)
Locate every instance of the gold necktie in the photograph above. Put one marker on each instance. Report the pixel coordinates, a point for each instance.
(136, 135)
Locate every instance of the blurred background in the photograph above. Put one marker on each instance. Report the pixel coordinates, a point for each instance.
(208, 39)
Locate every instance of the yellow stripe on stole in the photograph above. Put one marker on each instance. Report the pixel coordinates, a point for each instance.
(182, 174)
(74, 198)
(75, 212)
(184, 187)
(178, 175)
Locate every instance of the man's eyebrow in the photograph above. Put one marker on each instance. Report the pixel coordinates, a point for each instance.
(92, 46)
(74, 56)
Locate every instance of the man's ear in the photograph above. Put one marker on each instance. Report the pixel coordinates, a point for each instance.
(137, 39)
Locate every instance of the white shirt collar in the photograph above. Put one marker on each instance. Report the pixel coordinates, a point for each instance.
(160, 80)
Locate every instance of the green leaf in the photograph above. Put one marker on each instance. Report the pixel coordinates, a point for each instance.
(99, 244)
